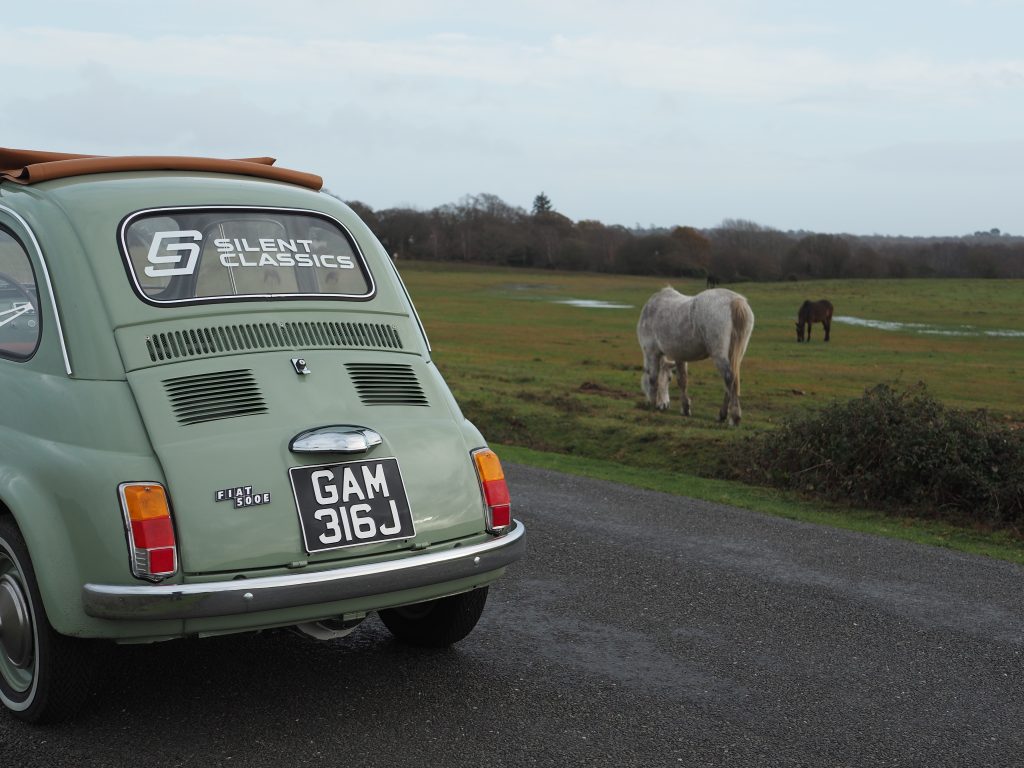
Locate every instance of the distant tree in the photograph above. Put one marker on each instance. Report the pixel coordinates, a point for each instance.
(662, 255)
(549, 231)
(489, 229)
(484, 228)
(405, 232)
(694, 249)
(745, 250)
(865, 262)
(541, 204)
(819, 256)
(602, 243)
(366, 213)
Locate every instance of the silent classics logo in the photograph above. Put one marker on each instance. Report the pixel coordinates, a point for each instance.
(167, 248)
(177, 253)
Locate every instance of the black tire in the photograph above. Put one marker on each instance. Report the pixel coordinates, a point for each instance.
(437, 623)
(45, 677)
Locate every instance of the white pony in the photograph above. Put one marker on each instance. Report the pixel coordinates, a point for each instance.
(675, 329)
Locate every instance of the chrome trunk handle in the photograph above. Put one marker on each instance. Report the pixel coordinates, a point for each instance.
(338, 438)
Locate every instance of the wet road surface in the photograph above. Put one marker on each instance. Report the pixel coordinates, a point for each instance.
(641, 629)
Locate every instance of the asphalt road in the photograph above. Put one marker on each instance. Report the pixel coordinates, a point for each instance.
(641, 630)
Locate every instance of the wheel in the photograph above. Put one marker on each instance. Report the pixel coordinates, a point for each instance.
(44, 676)
(437, 623)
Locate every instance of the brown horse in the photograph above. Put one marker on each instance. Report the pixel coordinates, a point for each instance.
(813, 312)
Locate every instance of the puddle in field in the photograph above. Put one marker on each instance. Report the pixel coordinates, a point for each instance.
(924, 328)
(529, 291)
(528, 287)
(592, 304)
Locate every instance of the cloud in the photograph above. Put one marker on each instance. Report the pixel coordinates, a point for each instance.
(657, 111)
(959, 160)
(283, 69)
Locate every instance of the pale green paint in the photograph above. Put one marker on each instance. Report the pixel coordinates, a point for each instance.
(67, 442)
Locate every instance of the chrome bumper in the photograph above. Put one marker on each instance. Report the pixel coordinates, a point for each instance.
(268, 593)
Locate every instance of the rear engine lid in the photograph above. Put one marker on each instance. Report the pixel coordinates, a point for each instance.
(223, 429)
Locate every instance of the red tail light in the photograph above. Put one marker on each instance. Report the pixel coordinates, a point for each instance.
(497, 504)
(147, 518)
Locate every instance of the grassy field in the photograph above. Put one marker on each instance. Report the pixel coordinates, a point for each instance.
(532, 370)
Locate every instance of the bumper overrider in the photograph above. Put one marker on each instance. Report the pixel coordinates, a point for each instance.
(268, 593)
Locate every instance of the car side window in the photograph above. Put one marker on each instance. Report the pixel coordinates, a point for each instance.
(19, 318)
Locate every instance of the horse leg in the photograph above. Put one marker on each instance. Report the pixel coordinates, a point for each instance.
(681, 373)
(827, 322)
(651, 380)
(648, 383)
(731, 404)
(664, 378)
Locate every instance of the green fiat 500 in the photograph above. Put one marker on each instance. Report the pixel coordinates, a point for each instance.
(219, 414)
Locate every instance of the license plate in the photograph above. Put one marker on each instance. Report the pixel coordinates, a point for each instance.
(351, 503)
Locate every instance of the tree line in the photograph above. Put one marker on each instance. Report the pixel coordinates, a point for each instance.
(484, 229)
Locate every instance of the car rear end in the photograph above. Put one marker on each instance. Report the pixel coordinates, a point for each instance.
(312, 461)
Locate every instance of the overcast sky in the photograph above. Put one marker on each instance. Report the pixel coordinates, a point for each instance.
(891, 117)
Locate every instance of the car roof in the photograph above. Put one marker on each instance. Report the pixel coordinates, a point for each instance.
(26, 166)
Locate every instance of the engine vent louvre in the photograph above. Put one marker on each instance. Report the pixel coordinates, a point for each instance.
(386, 384)
(214, 396)
(221, 339)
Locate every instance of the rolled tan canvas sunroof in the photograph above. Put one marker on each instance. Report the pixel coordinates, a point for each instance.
(26, 166)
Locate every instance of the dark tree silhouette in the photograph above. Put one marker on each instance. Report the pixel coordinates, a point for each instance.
(541, 204)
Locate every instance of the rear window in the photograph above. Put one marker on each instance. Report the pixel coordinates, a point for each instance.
(177, 256)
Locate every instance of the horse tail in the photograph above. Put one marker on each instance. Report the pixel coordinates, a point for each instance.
(742, 327)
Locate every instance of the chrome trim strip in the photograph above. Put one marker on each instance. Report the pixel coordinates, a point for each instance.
(268, 593)
(415, 314)
(49, 285)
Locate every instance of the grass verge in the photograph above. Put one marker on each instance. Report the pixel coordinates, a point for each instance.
(995, 544)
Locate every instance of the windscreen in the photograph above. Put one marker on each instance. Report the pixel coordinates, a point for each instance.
(177, 256)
